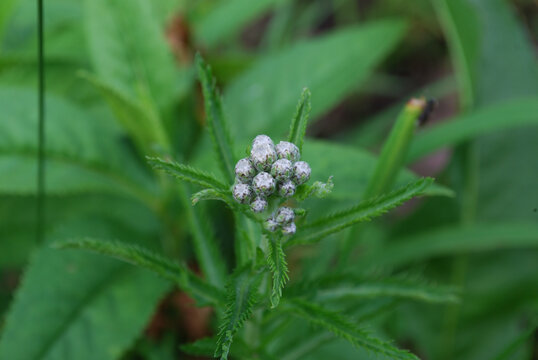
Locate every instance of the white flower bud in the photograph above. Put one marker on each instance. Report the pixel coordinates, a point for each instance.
(289, 229)
(270, 225)
(258, 205)
(242, 193)
(281, 170)
(301, 172)
(264, 184)
(287, 150)
(262, 139)
(263, 156)
(284, 215)
(244, 170)
(286, 189)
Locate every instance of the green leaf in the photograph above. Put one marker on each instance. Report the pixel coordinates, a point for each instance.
(331, 288)
(141, 257)
(317, 189)
(216, 121)
(186, 173)
(212, 194)
(142, 124)
(344, 329)
(508, 352)
(6, 9)
(331, 66)
(300, 120)
(128, 51)
(227, 18)
(205, 246)
(395, 149)
(242, 296)
(276, 258)
(84, 152)
(364, 211)
(497, 117)
(88, 307)
(455, 240)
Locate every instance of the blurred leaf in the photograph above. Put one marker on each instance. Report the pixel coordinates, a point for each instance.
(141, 123)
(351, 169)
(395, 148)
(332, 66)
(364, 211)
(476, 30)
(455, 240)
(228, 18)
(83, 152)
(331, 288)
(207, 252)
(242, 296)
(216, 121)
(143, 258)
(344, 329)
(300, 120)
(504, 115)
(83, 313)
(129, 52)
(6, 8)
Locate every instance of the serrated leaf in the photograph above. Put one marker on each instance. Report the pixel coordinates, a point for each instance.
(216, 121)
(331, 288)
(276, 258)
(455, 240)
(242, 296)
(300, 120)
(186, 173)
(141, 257)
(344, 329)
(88, 307)
(364, 211)
(210, 194)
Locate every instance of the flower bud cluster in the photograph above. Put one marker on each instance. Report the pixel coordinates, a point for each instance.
(269, 170)
(282, 219)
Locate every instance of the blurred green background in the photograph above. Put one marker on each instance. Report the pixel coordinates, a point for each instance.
(116, 68)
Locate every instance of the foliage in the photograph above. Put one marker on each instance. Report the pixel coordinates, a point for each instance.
(138, 260)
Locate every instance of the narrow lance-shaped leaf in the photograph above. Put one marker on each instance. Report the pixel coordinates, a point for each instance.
(242, 296)
(276, 259)
(395, 149)
(186, 173)
(344, 329)
(300, 120)
(455, 240)
(216, 121)
(205, 244)
(143, 258)
(331, 288)
(364, 211)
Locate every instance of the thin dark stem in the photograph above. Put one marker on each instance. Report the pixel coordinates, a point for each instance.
(41, 126)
